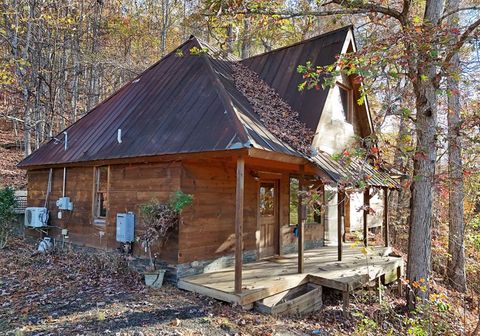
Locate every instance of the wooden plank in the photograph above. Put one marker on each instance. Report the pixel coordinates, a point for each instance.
(208, 291)
(275, 156)
(239, 224)
(273, 286)
(340, 214)
(385, 217)
(366, 202)
(301, 224)
(299, 300)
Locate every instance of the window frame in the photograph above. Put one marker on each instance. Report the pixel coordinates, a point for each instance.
(98, 219)
(321, 216)
(350, 102)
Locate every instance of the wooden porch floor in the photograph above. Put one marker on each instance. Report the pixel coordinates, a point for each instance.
(268, 277)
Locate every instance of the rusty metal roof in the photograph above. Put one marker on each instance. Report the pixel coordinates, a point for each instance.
(278, 68)
(187, 102)
(355, 170)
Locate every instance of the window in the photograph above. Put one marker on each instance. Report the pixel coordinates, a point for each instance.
(314, 210)
(267, 199)
(346, 99)
(100, 195)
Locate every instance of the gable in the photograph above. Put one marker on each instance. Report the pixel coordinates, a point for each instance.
(278, 68)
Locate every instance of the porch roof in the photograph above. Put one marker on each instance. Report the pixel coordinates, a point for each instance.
(354, 171)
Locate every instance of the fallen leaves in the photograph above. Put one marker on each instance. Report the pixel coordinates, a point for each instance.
(277, 116)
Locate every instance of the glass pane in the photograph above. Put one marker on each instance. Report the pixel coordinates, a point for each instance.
(102, 177)
(102, 208)
(293, 201)
(344, 98)
(267, 199)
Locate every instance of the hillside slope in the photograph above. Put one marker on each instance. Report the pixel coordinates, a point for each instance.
(10, 155)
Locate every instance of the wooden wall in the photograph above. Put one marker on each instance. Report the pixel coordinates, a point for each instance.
(207, 230)
(129, 186)
(132, 185)
(79, 184)
(208, 227)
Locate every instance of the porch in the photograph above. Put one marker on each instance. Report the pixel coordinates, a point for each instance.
(268, 277)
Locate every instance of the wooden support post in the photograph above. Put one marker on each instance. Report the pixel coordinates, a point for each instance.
(385, 217)
(379, 289)
(239, 224)
(366, 202)
(301, 225)
(346, 302)
(340, 214)
(399, 281)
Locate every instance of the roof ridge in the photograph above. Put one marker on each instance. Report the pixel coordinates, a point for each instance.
(314, 38)
(225, 97)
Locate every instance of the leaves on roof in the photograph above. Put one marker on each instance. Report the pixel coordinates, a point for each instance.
(279, 117)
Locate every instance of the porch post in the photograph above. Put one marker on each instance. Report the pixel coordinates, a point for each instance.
(385, 217)
(300, 208)
(340, 214)
(366, 202)
(239, 224)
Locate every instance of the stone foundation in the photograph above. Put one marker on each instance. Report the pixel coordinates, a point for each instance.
(309, 244)
(211, 265)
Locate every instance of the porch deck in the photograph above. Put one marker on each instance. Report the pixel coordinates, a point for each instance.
(268, 277)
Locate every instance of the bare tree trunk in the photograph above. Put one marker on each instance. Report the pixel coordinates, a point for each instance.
(476, 332)
(246, 39)
(456, 233)
(165, 25)
(419, 242)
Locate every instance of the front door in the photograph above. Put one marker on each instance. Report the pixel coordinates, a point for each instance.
(268, 218)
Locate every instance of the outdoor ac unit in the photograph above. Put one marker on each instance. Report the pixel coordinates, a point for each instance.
(36, 217)
(125, 227)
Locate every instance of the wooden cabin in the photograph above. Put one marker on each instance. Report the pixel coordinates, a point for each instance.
(184, 125)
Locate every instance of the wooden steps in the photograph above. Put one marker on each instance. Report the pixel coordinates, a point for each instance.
(299, 300)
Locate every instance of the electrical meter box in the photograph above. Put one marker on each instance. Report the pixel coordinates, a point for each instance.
(64, 203)
(126, 227)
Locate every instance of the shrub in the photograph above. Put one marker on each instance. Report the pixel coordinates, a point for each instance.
(7, 214)
(160, 219)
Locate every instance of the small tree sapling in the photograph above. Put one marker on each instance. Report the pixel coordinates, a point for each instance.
(7, 214)
(159, 220)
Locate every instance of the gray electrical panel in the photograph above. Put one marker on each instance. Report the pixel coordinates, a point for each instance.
(125, 227)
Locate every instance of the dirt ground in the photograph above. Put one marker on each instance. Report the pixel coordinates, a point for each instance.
(79, 293)
(72, 293)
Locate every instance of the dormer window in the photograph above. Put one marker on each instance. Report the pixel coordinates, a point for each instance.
(346, 100)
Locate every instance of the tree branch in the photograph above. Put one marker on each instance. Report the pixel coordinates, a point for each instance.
(348, 9)
(289, 14)
(370, 8)
(461, 41)
(447, 14)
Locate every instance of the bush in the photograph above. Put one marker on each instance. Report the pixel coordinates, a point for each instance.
(160, 219)
(7, 214)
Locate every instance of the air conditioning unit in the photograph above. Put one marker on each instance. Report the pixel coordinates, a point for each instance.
(36, 217)
(125, 227)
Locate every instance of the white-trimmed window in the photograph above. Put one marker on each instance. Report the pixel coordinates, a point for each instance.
(346, 101)
(100, 195)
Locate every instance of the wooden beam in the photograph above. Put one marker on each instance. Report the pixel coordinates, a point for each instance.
(275, 156)
(366, 202)
(385, 217)
(220, 154)
(340, 208)
(301, 226)
(239, 223)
